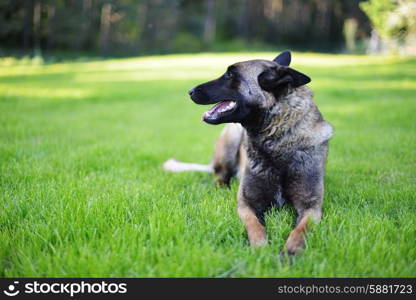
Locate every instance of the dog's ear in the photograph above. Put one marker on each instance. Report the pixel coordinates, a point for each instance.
(283, 58)
(274, 78)
(298, 78)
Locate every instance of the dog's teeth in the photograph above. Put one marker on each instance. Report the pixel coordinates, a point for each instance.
(229, 106)
(219, 108)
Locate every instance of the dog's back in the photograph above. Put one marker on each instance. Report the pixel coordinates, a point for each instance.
(227, 154)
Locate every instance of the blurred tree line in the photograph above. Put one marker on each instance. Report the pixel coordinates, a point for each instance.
(394, 25)
(131, 27)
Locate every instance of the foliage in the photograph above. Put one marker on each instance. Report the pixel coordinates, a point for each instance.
(82, 192)
(378, 12)
(131, 27)
(392, 18)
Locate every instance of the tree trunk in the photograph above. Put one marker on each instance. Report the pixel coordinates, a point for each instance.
(210, 22)
(142, 9)
(85, 24)
(105, 28)
(324, 18)
(243, 22)
(49, 34)
(27, 25)
(36, 28)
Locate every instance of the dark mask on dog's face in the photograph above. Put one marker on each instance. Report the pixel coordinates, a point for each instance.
(246, 88)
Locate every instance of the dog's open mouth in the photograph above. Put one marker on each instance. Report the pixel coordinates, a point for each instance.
(219, 109)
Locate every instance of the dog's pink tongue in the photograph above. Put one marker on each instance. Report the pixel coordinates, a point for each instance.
(210, 113)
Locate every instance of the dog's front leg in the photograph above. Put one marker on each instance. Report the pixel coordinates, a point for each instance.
(255, 230)
(305, 188)
(296, 239)
(251, 208)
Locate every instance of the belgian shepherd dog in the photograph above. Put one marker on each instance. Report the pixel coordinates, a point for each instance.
(276, 142)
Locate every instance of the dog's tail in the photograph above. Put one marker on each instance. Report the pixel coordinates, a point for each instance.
(173, 165)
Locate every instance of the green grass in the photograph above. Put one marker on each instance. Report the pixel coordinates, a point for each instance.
(82, 191)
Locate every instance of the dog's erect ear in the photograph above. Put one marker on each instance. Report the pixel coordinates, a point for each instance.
(298, 78)
(283, 58)
(274, 78)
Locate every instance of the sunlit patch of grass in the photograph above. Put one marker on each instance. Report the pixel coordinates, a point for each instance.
(205, 62)
(42, 92)
(83, 194)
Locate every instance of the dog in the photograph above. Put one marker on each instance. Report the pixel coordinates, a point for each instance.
(276, 142)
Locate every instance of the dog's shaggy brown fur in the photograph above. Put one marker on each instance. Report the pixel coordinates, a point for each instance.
(279, 150)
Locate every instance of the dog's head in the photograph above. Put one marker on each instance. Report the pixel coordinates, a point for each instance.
(247, 88)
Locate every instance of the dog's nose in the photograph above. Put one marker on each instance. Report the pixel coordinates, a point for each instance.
(191, 91)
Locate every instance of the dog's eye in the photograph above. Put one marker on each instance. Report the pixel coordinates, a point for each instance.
(228, 75)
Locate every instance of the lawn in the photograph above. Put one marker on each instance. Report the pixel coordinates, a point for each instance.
(82, 192)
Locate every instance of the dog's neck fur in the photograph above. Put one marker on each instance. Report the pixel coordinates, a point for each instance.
(292, 122)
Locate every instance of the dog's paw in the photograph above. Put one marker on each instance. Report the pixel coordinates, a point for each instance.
(294, 244)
